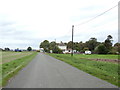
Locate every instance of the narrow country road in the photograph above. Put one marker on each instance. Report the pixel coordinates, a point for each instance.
(47, 72)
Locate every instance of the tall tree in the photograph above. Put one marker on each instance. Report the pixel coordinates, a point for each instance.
(45, 44)
(69, 45)
(52, 45)
(92, 43)
(108, 43)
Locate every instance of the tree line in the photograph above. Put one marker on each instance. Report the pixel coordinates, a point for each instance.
(92, 44)
(16, 50)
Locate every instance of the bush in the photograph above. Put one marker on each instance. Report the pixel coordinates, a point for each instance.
(101, 49)
(57, 50)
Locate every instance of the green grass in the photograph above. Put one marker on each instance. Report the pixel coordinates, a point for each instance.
(8, 56)
(96, 56)
(11, 68)
(105, 70)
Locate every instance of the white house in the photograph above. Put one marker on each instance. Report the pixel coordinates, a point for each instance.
(41, 49)
(62, 46)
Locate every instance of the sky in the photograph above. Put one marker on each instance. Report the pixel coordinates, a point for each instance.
(26, 23)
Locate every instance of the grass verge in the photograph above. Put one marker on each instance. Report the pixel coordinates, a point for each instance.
(11, 68)
(104, 70)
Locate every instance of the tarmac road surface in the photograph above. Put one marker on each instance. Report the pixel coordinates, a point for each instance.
(47, 72)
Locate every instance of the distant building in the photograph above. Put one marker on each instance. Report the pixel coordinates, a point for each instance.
(62, 46)
(41, 49)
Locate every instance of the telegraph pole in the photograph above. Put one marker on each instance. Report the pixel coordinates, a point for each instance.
(72, 39)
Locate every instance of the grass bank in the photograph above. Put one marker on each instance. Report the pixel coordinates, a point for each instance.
(11, 68)
(104, 70)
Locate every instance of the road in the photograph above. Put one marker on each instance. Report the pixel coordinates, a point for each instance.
(47, 72)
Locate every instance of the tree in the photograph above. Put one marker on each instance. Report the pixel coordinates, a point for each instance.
(101, 49)
(7, 49)
(52, 45)
(117, 47)
(92, 43)
(29, 49)
(56, 49)
(69, 45)
(45, 44)
(108, 43)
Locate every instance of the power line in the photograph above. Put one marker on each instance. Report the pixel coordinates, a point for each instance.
(96, 16)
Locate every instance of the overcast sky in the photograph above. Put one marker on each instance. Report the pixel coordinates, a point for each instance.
(26, 23)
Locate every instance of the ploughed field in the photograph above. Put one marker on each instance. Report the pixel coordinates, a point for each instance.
(105, 67)
(11, 62)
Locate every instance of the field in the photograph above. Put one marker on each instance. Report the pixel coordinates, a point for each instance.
(105, 70)
(12, 62)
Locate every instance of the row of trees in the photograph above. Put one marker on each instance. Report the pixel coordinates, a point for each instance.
(92, 44)
(50, 46)
(8, 49)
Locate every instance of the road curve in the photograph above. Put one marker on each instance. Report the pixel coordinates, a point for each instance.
(47, 72)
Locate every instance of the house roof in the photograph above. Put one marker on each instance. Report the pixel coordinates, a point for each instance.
(61, 44)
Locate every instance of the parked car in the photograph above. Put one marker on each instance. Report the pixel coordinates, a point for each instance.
(88, 52)
(17, 50)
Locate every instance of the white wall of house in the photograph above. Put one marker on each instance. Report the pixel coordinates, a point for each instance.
(63, 47)
(41, 49)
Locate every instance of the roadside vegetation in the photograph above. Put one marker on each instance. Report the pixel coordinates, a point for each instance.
(105, 47)
(12, 62)
(107, 71)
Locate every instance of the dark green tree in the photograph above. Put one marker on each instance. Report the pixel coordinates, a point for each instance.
(7, 49)
(57, 50)
(29, 49)
(91, 44)
(69, 45)
(108, 43)
(45, 44)
(101, 49)
(52, 45)
(117, 47)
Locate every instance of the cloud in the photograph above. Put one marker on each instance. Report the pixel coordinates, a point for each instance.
(28, 22)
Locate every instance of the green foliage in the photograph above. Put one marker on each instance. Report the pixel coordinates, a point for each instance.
(91, 44)
(29, 49)
(7, 49)
(57, 50)
(50, 46)
(108, 43)
(101, 49)
(117, 47)
(69, 45)
(105, 70)
(11, 66)
(45, 44)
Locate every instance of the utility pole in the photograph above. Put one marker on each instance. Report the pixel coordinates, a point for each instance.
(72, 39)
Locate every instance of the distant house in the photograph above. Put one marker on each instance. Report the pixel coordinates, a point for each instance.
(62, 46)
(41, 49)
